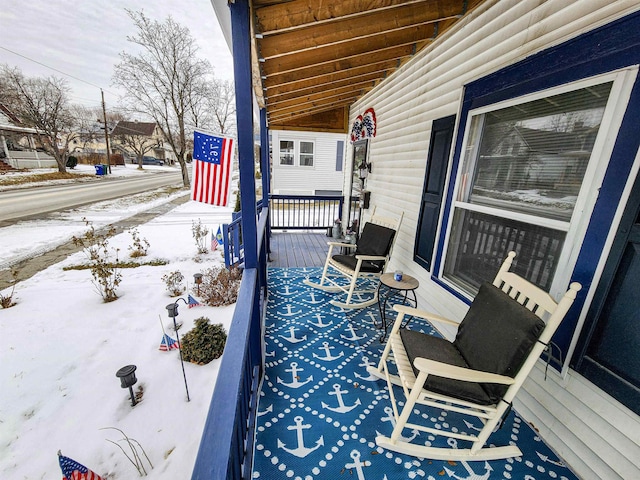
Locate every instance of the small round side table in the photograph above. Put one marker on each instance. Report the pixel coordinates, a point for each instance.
(406, 288)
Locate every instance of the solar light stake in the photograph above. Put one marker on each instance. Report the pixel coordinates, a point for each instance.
(197, 278)
(127, 376)
(172, 310)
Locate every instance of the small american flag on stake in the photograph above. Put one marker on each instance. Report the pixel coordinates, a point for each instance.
(72, 470)
(211, 169)
(214, 242)
(193, 302)
(168, 343)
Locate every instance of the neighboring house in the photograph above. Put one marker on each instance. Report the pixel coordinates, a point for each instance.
(19, 144)
(307, 163)
(140, 139)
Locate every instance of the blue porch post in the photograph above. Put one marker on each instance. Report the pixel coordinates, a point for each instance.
(265, 162)
(241, 36)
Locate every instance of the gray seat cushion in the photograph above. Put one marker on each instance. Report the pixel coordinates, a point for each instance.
(496, 336)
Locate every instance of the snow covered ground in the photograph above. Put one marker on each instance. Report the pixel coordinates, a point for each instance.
(61, 347)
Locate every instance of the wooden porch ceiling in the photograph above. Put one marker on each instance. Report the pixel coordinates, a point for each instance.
(314, 58)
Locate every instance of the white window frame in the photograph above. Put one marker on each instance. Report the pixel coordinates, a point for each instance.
(623, 81)
(285, 165)
(299, 147)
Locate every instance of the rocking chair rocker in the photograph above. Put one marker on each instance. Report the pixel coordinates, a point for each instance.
(506, 329)
(371, 256)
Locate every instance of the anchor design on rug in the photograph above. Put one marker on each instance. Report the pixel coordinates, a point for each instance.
(289, 313)
(546, 459)
(269, 409)
(342, 408)
(292, 338)
(301, 451)
(353, 336)
(287, 291)
(270, 354)
(372, 319)
(296, 383)
(313, 300)
(472, 475)
(365, 363)
(357, 464)
(328, 358)
(392, 420)
(320, 324)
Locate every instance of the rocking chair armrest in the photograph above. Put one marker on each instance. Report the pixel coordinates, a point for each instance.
(370, 257)
(445, 370)
(415, 312)
(339, 244)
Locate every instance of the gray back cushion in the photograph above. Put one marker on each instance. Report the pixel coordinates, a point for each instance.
(496, 335)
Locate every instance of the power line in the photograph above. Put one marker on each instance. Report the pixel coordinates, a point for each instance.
(55, 69)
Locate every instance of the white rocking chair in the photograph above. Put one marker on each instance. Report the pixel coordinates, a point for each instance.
(506, 329)
(369, 260)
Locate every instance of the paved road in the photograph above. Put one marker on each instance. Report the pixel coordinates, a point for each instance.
(30, 202)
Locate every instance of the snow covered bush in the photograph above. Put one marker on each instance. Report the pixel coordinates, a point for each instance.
(220, 286)
(200, 233)
(140, 246)
(104, 270)
(174, 281)
(205, 342)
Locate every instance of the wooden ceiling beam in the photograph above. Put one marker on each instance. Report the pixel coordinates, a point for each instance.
(297, 14)
(303, 66)
(320, 94)
(391, 56)
(276, 96)
(317, 105)
(343, 31)
(283, 118)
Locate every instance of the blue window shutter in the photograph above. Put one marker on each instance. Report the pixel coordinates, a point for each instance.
(340, 155)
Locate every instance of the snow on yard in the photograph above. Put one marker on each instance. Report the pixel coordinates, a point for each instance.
(61, 348)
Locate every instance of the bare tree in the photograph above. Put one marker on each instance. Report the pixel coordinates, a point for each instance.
(217, 112)
(43, 104)
(165, 80)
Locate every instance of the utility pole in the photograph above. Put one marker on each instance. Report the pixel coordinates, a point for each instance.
(106, 132)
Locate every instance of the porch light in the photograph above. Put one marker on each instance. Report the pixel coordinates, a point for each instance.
(363, 171)
(172, 311)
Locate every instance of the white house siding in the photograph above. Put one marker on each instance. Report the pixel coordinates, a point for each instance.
(597, 436)
(297, 180)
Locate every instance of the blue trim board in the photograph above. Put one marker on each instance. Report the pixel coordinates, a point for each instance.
(608, 48)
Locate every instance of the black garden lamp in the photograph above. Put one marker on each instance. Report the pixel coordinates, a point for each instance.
(127, 376)
(172, 310)
(197, 278)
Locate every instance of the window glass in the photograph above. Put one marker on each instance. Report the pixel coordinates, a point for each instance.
(306, 154)
(521, 174)
(286, 152)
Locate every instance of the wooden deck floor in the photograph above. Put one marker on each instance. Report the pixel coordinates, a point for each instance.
(298, 249)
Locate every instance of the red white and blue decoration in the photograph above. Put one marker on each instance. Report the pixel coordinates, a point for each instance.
(193, 302)
(211, 169)
(364, 126)
(167, 343)
(72, 470)
(320, 410)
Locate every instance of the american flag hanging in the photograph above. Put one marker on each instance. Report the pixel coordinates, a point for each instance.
(211, 169)
(168, 343)
(72, 470)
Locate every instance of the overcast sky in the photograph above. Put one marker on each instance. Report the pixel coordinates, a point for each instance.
(84, 38)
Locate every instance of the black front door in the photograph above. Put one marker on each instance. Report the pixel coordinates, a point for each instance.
(609, 348)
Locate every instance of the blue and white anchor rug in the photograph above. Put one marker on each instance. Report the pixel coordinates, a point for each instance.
(320, 412)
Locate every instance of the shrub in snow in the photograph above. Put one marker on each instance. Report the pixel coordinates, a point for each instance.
(204, 343)
(220, 286)
(140, 246)
(104, 270)
(200, 233)
(174, 281)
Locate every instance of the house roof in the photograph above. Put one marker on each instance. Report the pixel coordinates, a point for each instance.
(134, 128)
(314, 58)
